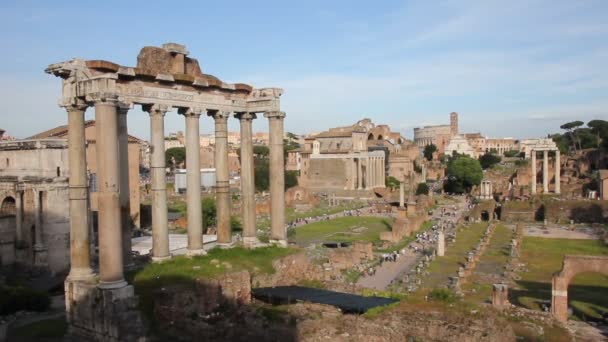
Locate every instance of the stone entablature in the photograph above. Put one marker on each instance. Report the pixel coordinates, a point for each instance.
(172, 82)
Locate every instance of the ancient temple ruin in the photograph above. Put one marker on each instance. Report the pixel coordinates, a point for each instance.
(164, 79)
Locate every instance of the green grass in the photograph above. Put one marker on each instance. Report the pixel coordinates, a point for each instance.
(492, 262)
(587, 293)
(442, 268)
(341, 230)
(322, 209)
(184, 271)
(49, 328)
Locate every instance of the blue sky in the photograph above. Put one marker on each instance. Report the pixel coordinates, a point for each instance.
(509, 68)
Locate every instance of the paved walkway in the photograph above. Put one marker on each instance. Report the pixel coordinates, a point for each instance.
(388, 271)
(391, 270)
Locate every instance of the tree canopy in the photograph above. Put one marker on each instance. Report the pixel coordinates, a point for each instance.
(391, 182)
(488, 160)
(463, 172)
(177, 153)
(422, 189)
(429, 150)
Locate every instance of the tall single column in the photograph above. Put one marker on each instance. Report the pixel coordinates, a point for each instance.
(222, 177)
(368, 173)
(124, 196)
(382, 172)
(277, 178)
(38, 243)
(557, 173)
(247, 180)
(80, 249)
(353, 173)
(108, 203)
(19, 216)
(193, 182)
(533, 177)
(545, 171)
(372, 172)
(160, 232)
(401, 195)
(359, 174)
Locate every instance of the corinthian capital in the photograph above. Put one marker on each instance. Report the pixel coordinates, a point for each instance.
(275, 115)
(191, 112)
(245, 116)
(218, 114)
(156, 109)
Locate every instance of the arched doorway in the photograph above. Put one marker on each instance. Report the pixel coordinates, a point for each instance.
(8, 207)
(485, 215)
(572, 265)
(380, 137)
(370, 136)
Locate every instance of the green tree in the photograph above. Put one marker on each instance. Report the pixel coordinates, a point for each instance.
(569, 127)
(392, 182)
(260, 151)
(422, 189)
(179, 153)
(429, 150)
(600, 129)
(463, 172)
(209, 209)
(261, 174)
(488, 160)
(291, 179)
(235, 224)
(511, 153)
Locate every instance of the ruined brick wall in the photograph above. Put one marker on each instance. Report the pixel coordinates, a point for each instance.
(327, 174)
(588, 211)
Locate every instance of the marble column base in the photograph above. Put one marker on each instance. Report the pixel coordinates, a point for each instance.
(252, 242)
(279, 243)
(81, 274)
(112, 285)
(161, 259)
(195, 252)
(225, 245)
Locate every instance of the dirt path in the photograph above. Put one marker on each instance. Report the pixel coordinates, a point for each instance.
(387, 272)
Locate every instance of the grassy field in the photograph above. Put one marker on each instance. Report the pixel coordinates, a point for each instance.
(184, 271)
(491, 264)
(442, 268)
(587, 293)
(343, 229)
(46, 330)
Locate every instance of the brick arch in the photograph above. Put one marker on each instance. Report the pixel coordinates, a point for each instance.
(571, 266)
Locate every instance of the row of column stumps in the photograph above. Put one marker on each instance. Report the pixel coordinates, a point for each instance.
(373, 177)
(545, 172)
(113, 186)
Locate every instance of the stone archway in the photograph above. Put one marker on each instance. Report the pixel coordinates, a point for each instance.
(571, 266)
(370, 136)
(8, 207)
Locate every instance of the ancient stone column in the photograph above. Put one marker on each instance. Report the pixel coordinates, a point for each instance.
(222, 177)
(124, 197)
(557, 173)
(108, 182)
(80, 251)
(19, 216)
(38, 243)
(278, 234)
(372, 173)
(158, 187)
(247, 180)
(401, 195)
(353, 172)
(545, 171)
(533, 177)
(359, 174)
(193, 182)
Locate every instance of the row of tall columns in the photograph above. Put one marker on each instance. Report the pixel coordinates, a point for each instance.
(545, 172)
(371, 177)
(113, 187)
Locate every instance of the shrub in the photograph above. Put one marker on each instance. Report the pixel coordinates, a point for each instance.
(16, 298)
(442, 295)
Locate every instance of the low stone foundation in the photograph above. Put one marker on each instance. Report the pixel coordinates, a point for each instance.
(108, 315)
